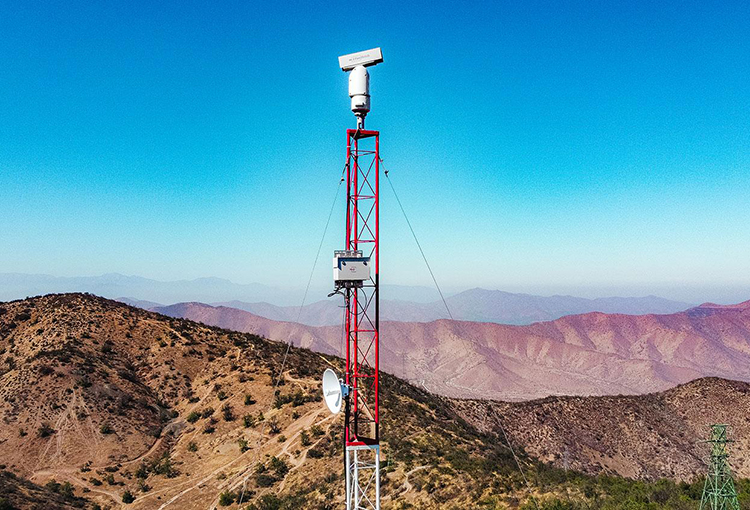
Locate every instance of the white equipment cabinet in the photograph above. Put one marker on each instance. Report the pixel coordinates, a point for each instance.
(350, 268)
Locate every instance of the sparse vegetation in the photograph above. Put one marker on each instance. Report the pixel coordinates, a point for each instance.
(243, 445)
(227, 412)
(273, 427)
(127, 497)
(464, 468)
(227, 498)
(45, 430)
(304, 438)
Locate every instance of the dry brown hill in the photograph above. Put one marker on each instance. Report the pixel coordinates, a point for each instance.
(645, 437)
(113, 399)
(18, 493)
(589, 354)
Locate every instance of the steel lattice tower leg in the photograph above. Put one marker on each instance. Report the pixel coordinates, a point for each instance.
(362, 419)
(718, 491)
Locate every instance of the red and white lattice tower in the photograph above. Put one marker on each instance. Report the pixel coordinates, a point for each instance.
(362, 417)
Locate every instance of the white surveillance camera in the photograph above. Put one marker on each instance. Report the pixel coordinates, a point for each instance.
(361, 58)
(359, 80)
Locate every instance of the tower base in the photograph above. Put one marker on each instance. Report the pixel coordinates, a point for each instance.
(363, 477)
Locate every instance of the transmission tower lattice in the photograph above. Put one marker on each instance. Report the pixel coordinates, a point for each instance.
(718, 491)
(362, 418)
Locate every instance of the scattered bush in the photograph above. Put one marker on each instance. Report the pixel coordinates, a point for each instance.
(45, 430)
(227, 498)
(243, 445)
(227, 412)
(305, 438)
(128, 497)
(164, 467)
(274, 427)
(193, 417)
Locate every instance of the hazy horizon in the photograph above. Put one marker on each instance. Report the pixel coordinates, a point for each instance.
(690, 294)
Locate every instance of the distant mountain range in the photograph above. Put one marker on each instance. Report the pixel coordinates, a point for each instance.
(478, 305)
(113, 285)
(587, 354)
(206, 290)
(398, 302)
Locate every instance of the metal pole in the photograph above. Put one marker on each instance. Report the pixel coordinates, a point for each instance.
(348, 480)
(377, 477)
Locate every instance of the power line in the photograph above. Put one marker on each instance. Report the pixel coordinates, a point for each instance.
(413, 233)
(502, 429)
(299, 314)
(513, 452)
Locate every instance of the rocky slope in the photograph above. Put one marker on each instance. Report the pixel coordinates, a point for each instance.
(589, 354)
(17, 493)
(648, 436)
(117, 401)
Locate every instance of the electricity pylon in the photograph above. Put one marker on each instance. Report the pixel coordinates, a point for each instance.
(718, 491)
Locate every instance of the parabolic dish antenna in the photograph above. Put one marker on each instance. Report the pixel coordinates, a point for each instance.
(332, 391)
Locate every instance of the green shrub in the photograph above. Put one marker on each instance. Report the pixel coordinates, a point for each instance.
(67, 490)
(243, 445)
(227, 498)
(128, 497)
(53, 485)
(45, 430)
(305, 438)
(227, 412)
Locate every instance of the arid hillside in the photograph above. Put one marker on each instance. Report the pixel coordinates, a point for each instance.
(646, 437)
(138, 410)
(589, 354)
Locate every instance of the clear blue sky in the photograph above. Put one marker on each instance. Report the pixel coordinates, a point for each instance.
(537, 146)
